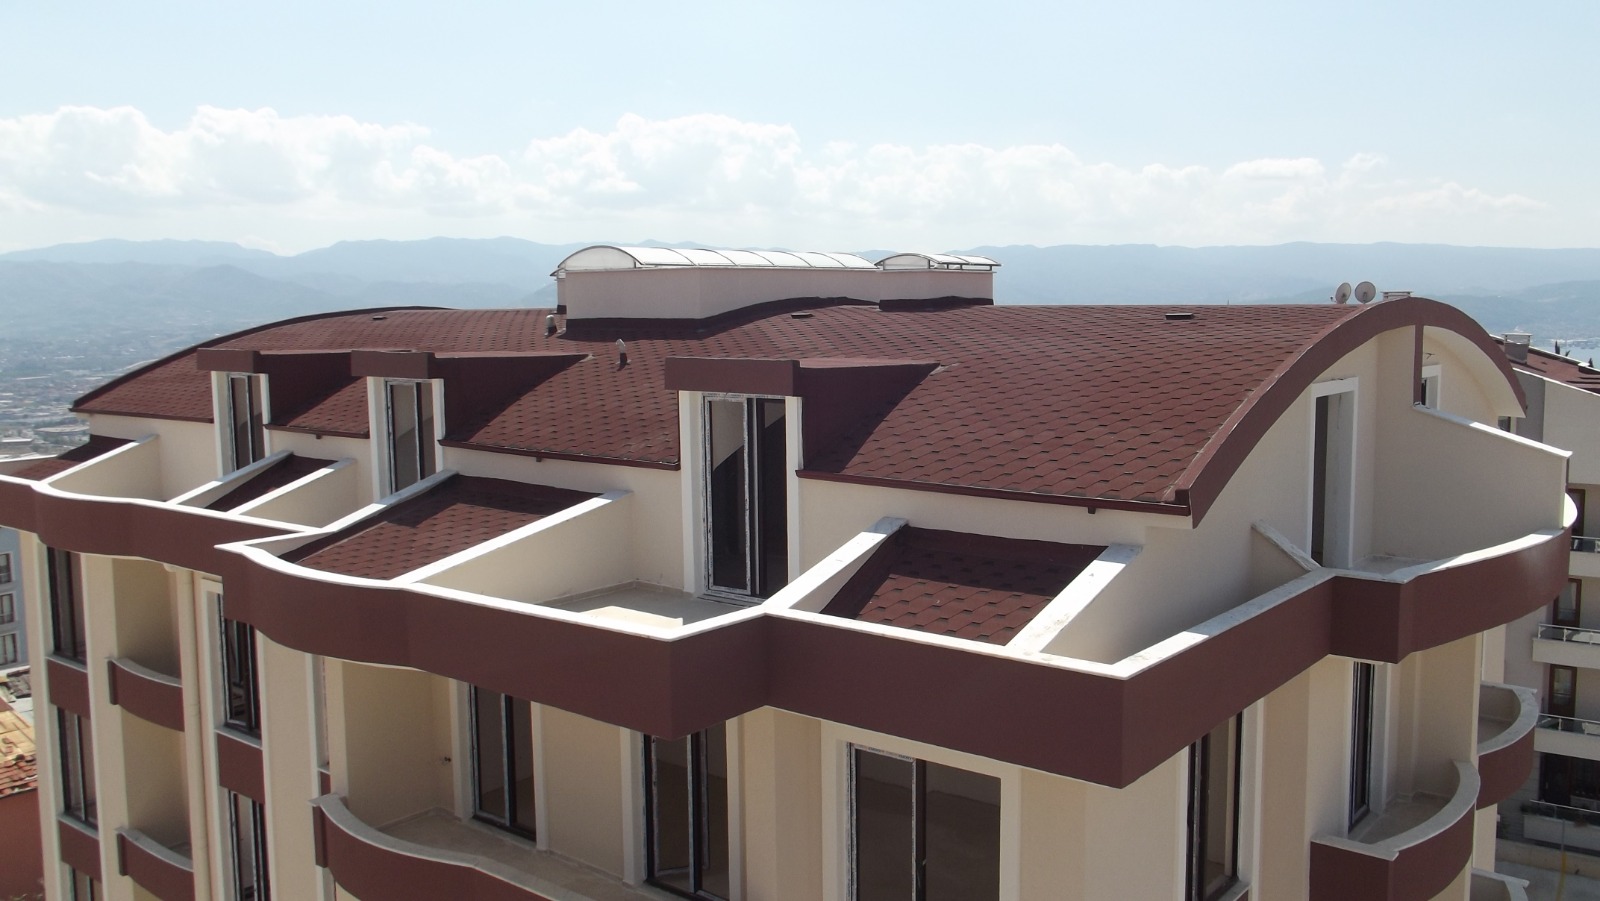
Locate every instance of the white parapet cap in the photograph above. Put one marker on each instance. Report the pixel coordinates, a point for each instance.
(606, 256)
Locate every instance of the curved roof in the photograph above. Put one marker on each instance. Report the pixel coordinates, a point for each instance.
(607, 256)
(1060, 404)
(916, 260)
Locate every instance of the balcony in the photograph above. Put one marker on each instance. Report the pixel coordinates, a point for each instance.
(1562, 826)
(1506, 718)
(1568, 736)
(167, 873)
(1567, 646)
(1585, 556)
(1488, 886)
(436, 856)
(151, 696)
(1411, 852)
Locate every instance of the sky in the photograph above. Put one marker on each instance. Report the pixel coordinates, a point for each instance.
(928, 125)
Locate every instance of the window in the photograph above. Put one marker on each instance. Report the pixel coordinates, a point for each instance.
(77, 766)
(922, 831)
(8, 608)
(686, 813)
(411, 438)
(82, 886)
(1563, 694)
(1213, 849)
(8, 649)
(746, 495)
(1568, 608)
(5, 567)
(1361, 715)
(243, 701)
(502, 755)
(1332, 477)
(1428, 390)
(247, 438)
(247, 839)
(66, 605)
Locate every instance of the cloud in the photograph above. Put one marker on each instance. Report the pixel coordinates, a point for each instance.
(710, 177)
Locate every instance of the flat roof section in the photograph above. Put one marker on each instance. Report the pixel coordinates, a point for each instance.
(290, 469)
(966, 586)
(460, 513)
(44, 469)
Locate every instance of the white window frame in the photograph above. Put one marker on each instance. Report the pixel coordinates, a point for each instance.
(222, 415)
(7, 572)
(700, 486)
(837, 743)
(1433, 379)
(379, 420)
(8, 608)
(1351, 386)
(10, 649)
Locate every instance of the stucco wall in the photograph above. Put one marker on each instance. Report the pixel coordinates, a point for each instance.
(583, 773)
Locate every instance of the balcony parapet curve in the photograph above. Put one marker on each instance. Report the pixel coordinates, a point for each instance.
(1414, 865)
(369, 864)
(150, 695)
(1506, 718)
(159, 870)
(1487, 886)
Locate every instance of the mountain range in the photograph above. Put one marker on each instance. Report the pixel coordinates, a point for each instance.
(220, 286)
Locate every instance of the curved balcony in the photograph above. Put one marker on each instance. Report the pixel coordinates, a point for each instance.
(1488, 886)
(453, 861)
(1412, 852)
(1506, 717)
(164, 872)
(151, 696)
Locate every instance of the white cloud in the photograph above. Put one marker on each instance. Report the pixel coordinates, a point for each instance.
(294, 180)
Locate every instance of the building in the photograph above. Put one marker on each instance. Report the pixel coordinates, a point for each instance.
(21, 855)
(792, 576)
(13, 613)
(1551, 650)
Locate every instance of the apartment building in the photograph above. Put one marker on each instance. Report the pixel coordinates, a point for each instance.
(13, 614)
(792, 576)
(1556, 650)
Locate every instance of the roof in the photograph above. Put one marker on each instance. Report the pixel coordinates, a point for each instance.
(967, 586)
(458, 514)
(19, 770)
(605, 256)
(1560, 368)
(44, 469)
(290, 469)
(1100, 405)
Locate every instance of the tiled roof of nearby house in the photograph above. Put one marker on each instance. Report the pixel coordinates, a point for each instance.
(1094, 402)
(279, 474)
(1560, 369)
(459, 514)
(966, 586)
(44, 469)
(18, 766)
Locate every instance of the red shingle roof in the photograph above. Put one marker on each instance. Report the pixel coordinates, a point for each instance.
(967, 586)
(19, 770)
(279, 474)
(460, 513)
(1096, 402)
(1560, 369)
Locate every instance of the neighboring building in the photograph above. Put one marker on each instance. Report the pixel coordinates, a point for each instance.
(13, 613)
(1556, 649)
(691, 586)
(21, 854)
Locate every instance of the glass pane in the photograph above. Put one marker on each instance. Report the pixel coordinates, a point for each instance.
(404, 465)
(426, 465)
(728, 503)
(884, 830)
(86, 771)
(772, 491)
(1220, 796)
(489, 746)
(522, 764)
(962, 835)
(239, 414)
(670, 813)
(1567, 604)
(713, 826)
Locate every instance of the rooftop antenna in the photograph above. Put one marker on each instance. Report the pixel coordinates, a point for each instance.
(1342, 295)
(549, 325)
(1365, 292)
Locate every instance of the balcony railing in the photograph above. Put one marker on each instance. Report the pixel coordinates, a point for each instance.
(1586, 545)
(1553, 632)
(1567, 736)
(1569, 724)
(1563, 826)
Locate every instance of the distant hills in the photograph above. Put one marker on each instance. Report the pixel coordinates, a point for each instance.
(112, 284)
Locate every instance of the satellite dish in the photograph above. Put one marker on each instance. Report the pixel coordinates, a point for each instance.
(1342, 295)
(1366, 291)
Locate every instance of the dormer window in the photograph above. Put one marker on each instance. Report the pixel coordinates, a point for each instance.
(746, 495)
(412, 454)
(246, 438)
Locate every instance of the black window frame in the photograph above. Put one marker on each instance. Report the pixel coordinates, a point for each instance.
(245, 889)
(1197, 849)
(1364, 677)
(241, 682)
(65, 591)
(510, 819)
(8, 607)
(247, 434)
(421, 455)
(75, 744)
(6, 568)
(701, 813)
(762, 512)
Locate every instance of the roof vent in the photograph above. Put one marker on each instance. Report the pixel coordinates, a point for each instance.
(1395, 295)
(1517, 346)
(1180, 317)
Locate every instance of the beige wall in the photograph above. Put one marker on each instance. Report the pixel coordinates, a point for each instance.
(583, 788)
(781, 805)
(1572, 421)
(187, 451)
(392, 742)
(289, 766)
(146, 615)
(157, 780)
